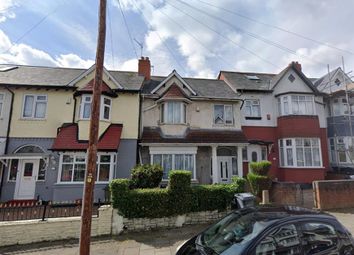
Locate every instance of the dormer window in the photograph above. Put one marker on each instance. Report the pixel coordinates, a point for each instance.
(173, 112)
(105, 109)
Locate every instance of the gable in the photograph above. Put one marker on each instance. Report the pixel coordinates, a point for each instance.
(82, 81)
(291, 82)
(173, 79)
(174, 91)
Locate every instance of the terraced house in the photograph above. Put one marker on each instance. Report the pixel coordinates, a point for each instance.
(191, 124)
(284, 120)
(45, 125)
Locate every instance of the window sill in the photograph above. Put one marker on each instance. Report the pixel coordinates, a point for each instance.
(33, 119)
(173, 124)
(223, 125)
(252, 118)
(81, 183)
(303, 167)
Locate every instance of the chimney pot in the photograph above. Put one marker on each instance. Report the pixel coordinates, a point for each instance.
(297, 65)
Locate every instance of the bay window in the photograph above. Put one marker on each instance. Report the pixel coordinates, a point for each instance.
(340, 106)
(73, 167)
(300, 152)
(105, 109)
(342, 149)
(34, 106)
(174, 159)
(223, 115)
(296, 105)
(252, 108)
(173, 112)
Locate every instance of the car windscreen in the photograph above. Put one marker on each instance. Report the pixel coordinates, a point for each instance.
(236, 228)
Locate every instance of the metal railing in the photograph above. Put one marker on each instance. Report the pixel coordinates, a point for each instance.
(43, 210)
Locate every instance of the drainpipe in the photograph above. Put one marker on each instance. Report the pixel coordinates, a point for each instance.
(140, 123)
(7, 136)
(74, 112)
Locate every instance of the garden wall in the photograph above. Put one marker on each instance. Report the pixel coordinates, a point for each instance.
(334, 194)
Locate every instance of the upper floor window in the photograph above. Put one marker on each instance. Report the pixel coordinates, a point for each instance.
(252, 108)
(105, 109)
(300, 152)
(223, 114)
(296, 105)
(173, 112)
(2, 99)
(340, 107)
(34, 106)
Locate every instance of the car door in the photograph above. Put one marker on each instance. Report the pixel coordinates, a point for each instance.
(281, 240)
(319, 238)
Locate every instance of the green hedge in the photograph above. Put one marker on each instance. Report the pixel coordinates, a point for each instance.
(178, 198)
(261, 167)
(259, 183)
(146, 176)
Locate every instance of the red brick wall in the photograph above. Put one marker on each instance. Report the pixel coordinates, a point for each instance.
(298, 126)
(334, 194)
(283, 193)
(174, 91)
(292, 126)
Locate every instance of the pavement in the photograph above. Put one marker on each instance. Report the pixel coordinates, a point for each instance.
(158, 242)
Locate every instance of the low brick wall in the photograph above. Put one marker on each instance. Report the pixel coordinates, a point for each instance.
(31, 231)
(145, 224)
(334, 194)
(284, 193)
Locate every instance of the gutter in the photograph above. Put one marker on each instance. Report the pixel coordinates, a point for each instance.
(7, 136)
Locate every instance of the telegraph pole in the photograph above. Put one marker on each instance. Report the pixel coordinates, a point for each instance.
(90, 175)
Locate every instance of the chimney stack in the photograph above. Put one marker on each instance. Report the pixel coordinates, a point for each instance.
(297, 65)
(144, 68)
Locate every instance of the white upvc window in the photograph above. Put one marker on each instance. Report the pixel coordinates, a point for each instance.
(296, 105)
(173, 112)
(2, 102)
(34, 106)
(174, 159)
(342, 149)
(252, 108)
(105, 108)
(223, 114)
(300, 152)
(340, 106)
(73, 167)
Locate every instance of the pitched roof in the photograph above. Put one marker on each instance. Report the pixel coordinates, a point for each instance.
(204, 88)
(155, 135)
(59, 76)
(67, 138)
(265, 81)
(240, 80)
(327, 82)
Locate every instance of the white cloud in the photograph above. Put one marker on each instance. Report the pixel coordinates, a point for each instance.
(6, 10)
(26, 55)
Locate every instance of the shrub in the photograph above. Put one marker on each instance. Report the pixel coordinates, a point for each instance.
(179, 180)
(178, 198)
(146, 176)
(238, 184)
(258, 183)
(261, 167)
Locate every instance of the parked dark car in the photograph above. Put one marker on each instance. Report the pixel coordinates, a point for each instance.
(274, 231)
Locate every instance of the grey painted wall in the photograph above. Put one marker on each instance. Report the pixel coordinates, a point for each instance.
(49, 189)
(339, 126)
(127, 157)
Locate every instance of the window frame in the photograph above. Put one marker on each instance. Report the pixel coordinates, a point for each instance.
(2, 103)
(283, 149)
(289, 110)
(35, 101)
(113, 161)
(102, 107)
(164, 113)
(224, 114)
(175, 151)
(252, 106)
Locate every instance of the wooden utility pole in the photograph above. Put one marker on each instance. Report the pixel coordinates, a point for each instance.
(90, 176)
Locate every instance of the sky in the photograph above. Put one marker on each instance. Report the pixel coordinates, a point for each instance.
(198, 38)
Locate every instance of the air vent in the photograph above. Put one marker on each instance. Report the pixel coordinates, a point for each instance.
(252, 77)
(337, 81)
(291, 78)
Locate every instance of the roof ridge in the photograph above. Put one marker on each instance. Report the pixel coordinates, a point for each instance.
(223, 71)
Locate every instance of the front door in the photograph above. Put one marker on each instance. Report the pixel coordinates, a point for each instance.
(225, 167)
(26, 181)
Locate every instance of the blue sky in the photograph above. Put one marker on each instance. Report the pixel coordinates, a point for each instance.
(197, 39)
